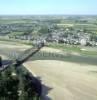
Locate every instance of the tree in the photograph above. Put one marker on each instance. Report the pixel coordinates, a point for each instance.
(12, 87)
(9, 85)
(44, 30)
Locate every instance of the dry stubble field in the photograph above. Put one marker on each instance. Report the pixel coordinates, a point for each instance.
(68, 81)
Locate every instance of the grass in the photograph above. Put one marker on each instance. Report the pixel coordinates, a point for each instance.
(61, 57)
(16, 33)
(73, 48)
(89, 53)
(11, 21)
(16, 41)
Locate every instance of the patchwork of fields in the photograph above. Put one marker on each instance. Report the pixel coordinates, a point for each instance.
(66, 80)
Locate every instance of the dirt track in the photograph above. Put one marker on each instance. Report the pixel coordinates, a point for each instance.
(69, 81)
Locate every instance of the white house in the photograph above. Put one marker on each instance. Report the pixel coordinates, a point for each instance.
(83, 42)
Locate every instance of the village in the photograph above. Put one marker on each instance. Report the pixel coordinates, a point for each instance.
(60, 36)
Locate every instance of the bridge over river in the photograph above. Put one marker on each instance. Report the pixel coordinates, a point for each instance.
(68, 76)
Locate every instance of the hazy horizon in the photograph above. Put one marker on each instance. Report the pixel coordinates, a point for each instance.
(48, 7)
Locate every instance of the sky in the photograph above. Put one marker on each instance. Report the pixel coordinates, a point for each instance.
(46, 7)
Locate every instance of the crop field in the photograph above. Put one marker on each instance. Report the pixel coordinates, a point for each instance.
(65, 75)
(88, 26)
(66, 81)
